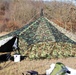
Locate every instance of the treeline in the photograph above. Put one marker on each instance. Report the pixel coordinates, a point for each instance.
(16, 13)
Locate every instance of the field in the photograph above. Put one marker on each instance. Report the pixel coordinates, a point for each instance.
(12, 68)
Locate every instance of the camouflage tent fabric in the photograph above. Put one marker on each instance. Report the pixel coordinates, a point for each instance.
(39, 39)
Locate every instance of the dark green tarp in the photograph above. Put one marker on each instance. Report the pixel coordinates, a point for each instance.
(39, 31)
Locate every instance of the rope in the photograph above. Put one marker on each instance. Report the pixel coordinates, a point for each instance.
(7, 59)
(5, 65)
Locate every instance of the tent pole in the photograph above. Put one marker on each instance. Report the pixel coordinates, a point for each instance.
(17, 36)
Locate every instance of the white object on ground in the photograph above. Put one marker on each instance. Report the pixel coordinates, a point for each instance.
(51, 69)
(16, 58)
(73, 71)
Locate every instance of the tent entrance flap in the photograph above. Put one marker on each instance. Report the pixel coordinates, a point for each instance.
(6, 45)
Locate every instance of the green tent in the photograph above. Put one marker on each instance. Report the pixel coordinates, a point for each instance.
(39, 32)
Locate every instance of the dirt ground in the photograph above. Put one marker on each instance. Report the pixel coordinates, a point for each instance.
(14, 68)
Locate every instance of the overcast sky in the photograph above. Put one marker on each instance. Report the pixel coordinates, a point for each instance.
(74, 1)
(60, 0)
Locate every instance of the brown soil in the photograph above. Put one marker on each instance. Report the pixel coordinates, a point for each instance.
(13, 68)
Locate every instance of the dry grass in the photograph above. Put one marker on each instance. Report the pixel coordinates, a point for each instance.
(13, 68)
(4, 33)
